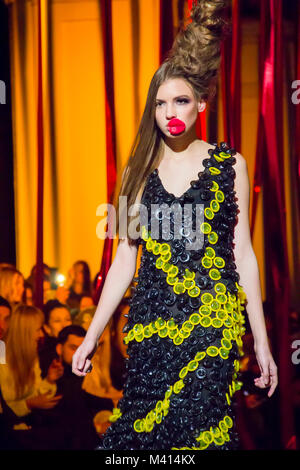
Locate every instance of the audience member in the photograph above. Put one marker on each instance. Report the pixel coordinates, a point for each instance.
(57, 316)
(77, 408)
(11, 285)
(79, 284)
(24, 393)
(98, 381)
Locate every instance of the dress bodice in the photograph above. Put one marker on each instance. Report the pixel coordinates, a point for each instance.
(184, 266)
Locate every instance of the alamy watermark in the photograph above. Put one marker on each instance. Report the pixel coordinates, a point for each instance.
(179, 217)
(2, 352)
(296, 93)
(296, 354)
(2, 92)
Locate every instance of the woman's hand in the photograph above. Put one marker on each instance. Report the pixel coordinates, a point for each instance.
(55, 371)
(268, 369)
(81, 361)
(43, 401)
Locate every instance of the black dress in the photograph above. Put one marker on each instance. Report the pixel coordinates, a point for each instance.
(185, 321)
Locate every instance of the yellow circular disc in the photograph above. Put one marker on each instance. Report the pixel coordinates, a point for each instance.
(206, 298)
(209, 214)
(213, 238)
(214, 274)
(205, 321)
(215, 186)
(212, 351)
(206, 262)
(214, 205)
(220, 288)
(205, 227)
(205, 310)
(166, 266)
(228, 421)
(156, 249)
(172, 280)
(219, 262)
(220, 196)
(159, 263)
(194, 291)
(164, 248)
(179, 288)
(192, 365)
(216, 323)
(195, 318)
(210, 252)
(173, 271)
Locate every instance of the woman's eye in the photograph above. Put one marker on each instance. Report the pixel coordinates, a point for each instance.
(180, 100)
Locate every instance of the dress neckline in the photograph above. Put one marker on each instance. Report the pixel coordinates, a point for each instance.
(200, 174)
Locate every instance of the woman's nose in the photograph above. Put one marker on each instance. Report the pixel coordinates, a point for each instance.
(170, 111)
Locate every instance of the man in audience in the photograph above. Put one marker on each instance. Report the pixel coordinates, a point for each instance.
(77, 407)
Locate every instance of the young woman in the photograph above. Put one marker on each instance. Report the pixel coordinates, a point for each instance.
(26, 397)
(186, 318)
(11, 285)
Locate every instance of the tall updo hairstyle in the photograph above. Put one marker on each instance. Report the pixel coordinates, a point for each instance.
(195, 56)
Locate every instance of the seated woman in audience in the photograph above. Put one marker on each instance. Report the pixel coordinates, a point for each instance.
(57, 316)
(24, 392)
(11, 285)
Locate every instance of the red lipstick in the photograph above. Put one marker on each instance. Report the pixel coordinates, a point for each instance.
(176, 126)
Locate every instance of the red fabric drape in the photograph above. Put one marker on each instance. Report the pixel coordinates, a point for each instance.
(276, 255)
(261, 143)
(106, 17)
(201, 120)
(166, 28)
(39, 273)
(231, 80)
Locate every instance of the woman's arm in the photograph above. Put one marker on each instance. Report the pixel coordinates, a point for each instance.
(18, 405)
(248, 270)
(118, 279)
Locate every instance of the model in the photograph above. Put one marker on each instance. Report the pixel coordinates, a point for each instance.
(198, 269)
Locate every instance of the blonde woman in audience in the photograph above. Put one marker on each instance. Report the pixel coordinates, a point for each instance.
(11, 285)
(23, 390)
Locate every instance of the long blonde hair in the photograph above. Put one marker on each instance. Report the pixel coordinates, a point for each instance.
(195, 57)
(21, 347)
(7, 275)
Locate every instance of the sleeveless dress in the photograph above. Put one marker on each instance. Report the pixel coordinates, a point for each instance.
(185, 321)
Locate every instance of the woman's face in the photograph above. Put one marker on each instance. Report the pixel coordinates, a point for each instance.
(59, 318)
(18, 288)
(175, 100)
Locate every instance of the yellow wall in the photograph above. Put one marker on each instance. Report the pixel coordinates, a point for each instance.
(74, 120)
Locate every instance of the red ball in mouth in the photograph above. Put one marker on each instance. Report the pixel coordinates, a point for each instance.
(175, 126)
